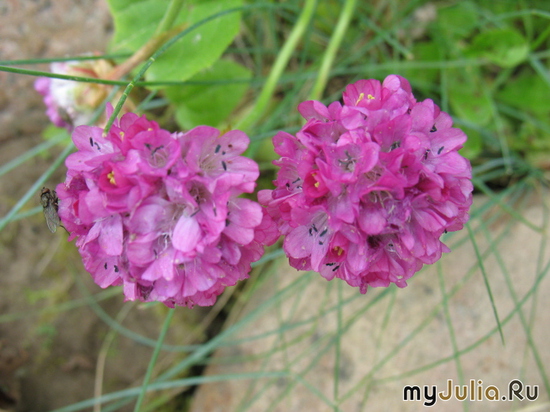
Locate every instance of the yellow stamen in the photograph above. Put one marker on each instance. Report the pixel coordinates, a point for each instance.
(111, 177)
(370, 97)
(361, 97)
(316, 184)
(338, 250)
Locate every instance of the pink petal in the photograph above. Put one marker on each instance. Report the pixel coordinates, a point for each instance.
(187, 234)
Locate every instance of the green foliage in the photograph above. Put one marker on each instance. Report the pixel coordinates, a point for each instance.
(529, 92)
(136, 21)
(504, 47)
(469, 98)
(194, 57)
(209, 103)
(467, 52)
(457, 21)
(52, 132)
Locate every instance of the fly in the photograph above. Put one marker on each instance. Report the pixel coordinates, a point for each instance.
(49, 201)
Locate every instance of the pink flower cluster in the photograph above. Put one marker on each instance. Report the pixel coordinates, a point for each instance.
(160, 213)
(366, 188)
(364, 192)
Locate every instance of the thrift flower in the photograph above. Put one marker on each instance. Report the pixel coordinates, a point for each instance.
(366, 188)
(160, 212)
(70, 103)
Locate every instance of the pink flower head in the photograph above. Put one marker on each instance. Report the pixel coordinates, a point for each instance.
(160, 212)
(70, 103)
(366, 189)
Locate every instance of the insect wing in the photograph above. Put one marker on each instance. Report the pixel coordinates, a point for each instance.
(52, 218)
(48, 199)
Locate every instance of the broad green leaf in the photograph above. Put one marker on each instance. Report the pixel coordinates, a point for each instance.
(136, 21)
(527, 92)
(504, 47)
(467, 97)
(209, 104)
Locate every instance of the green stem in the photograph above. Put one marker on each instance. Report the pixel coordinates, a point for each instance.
(64, 59)
(39, 73)
(278, 67)
(330, 53)
(485, 279)
(154, 359)
(169, 17)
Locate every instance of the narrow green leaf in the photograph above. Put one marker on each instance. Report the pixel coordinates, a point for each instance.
(457, 20)
(481, 264)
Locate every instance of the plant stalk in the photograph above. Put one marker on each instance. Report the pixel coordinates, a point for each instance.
(278, 67)
(330, 53)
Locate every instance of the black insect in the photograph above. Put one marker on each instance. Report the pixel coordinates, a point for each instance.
(49, 201)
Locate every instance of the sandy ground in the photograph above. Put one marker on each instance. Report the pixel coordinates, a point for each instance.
(391, 340)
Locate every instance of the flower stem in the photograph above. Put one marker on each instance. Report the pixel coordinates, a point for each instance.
(169, 17)
(278, 67)
(334, 44)
(154, 359)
